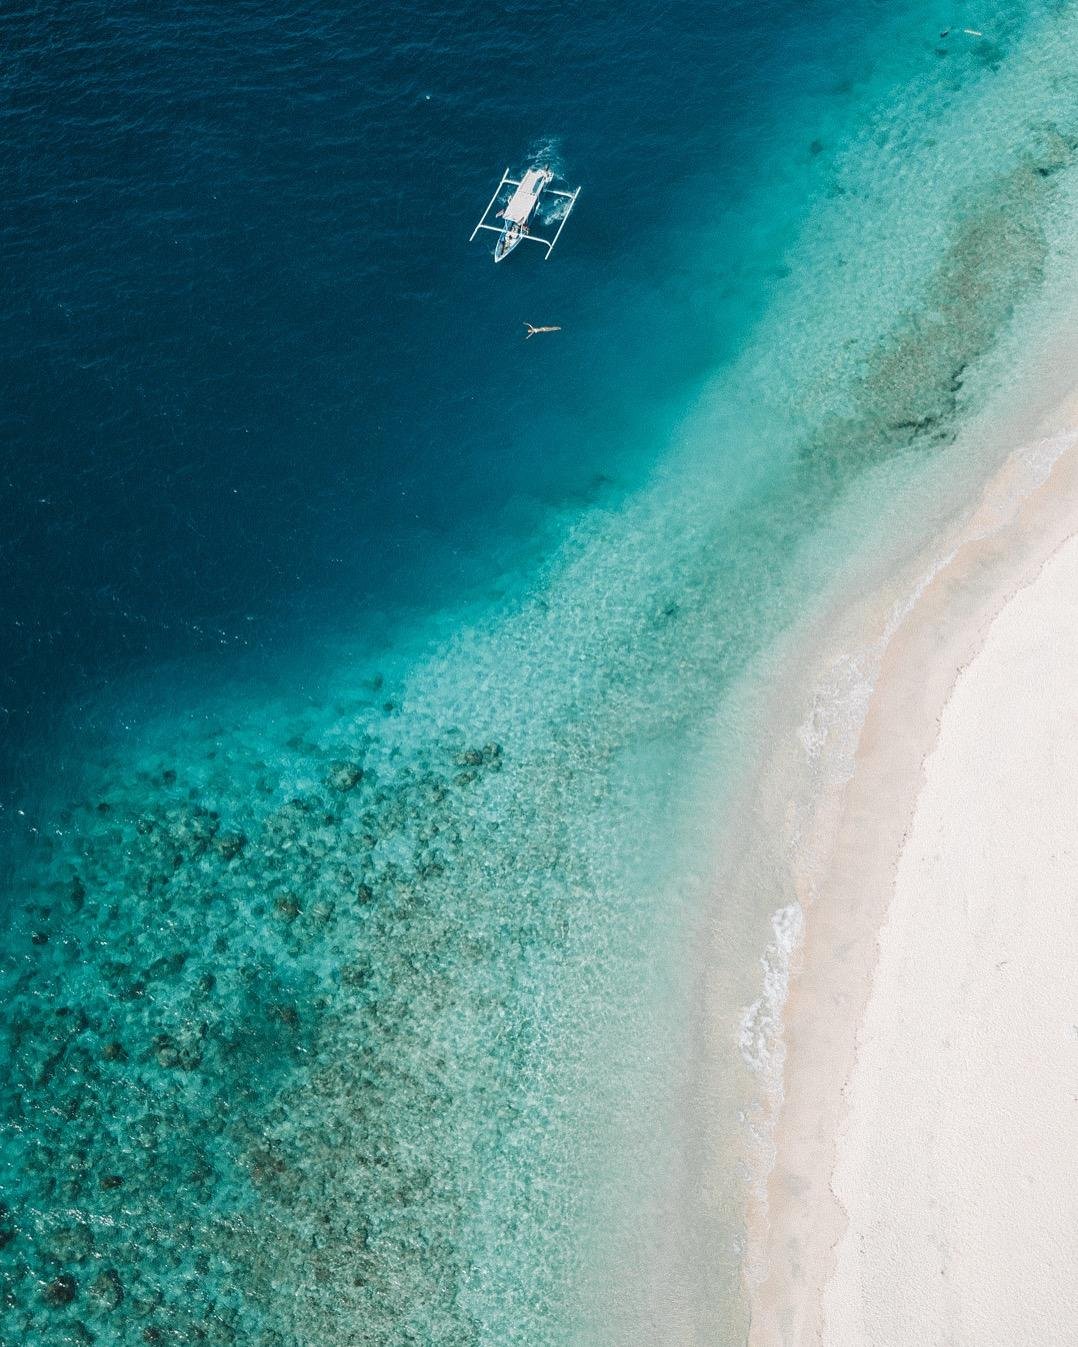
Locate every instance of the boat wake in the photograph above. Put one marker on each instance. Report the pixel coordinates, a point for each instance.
(545, 152)
(553, 209)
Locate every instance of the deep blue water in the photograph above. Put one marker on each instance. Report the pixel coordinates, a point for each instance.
(255, 382)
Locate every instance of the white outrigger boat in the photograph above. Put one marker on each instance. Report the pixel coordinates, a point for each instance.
(517, 212)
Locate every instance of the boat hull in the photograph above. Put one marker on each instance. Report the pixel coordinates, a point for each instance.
(507, 241)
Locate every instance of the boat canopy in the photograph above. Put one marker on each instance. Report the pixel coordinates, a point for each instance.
(522, 202)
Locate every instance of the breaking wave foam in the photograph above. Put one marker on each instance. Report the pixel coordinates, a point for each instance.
(760, 1037)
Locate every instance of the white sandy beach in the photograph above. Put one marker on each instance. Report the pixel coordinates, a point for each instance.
(957, 1162)
(925, 1183)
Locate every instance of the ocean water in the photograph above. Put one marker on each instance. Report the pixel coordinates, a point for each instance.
(377, 685)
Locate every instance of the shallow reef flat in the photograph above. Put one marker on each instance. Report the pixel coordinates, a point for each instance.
(284, 1050)
(230, 1008)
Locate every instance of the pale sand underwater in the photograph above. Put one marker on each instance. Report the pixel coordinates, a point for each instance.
(925, 1178)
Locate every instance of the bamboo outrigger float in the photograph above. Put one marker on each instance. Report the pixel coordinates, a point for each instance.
(518, 211)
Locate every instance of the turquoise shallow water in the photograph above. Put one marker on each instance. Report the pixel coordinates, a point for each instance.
(358, 1002)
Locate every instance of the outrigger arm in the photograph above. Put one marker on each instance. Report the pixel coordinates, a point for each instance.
(506, 181)
(571, 196)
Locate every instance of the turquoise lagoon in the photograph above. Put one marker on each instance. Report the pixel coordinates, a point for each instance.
(392, 995)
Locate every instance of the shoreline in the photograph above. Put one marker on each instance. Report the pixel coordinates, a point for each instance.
(846, 852)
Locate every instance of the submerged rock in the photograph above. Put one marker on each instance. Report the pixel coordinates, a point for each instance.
(185, 1052)
(345, 776)
(73, 896)
(168, 965)
(166, 1051)
(107, 1289)
(490, 755)
(72, 1242)
(1053, 151)
(61, 1290)
(286, 906)
(229, 845)
(265, 1165)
